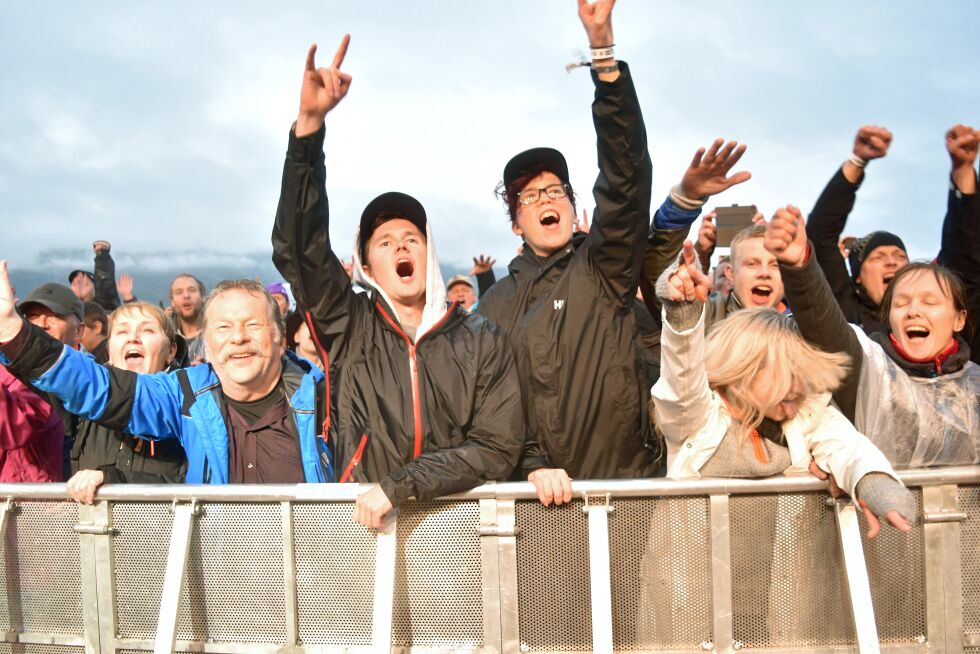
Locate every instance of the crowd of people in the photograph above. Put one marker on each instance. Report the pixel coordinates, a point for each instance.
(610, 350)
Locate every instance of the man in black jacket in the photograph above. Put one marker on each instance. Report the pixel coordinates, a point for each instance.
(423, 401)
(569, 301)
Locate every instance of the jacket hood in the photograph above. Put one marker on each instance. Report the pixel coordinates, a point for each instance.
(435, 286)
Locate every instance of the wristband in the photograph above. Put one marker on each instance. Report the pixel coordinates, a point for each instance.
(606, 69)
(603, 52)
(857, 161)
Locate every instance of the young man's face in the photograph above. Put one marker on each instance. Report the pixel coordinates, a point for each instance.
(243, 344)
(396, 260)
(922, 317)
(462, 293)
(546, 224)
(83, 288)
(139, 343)
(185, 295)
(63, 328)
(754, 275)
(90, 335)
(878, 269)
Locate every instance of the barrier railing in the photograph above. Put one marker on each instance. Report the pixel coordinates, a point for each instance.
(646, 565)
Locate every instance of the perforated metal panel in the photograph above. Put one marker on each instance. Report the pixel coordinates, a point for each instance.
(660, 553)
(10, 648)
(788, 585)
(895, 570)
(334, 575)
(233, 589)
(39, 574)
(970, 553)
(555, 608)
(438, 576)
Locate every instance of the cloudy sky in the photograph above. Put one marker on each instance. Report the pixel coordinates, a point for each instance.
(161, 127)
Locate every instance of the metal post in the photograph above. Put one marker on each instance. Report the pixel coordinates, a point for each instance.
(173, 580)
(510, 628)
(944, 591)
(489, 565)
(289, 574)
(599, 573)
(86, 530)
(721, 574)
(856, 571)
(384, 584)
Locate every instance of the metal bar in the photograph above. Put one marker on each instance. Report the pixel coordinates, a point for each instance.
(105, 577)
(953, 583)
(934, 577)
(600, 581)
(510, 629)
(384, 584)
(89, 577)
(289, 575)
(29, 638)
(721, 575)
(490, 567)
(945, 516)
(856, 571)
(173, 580)
(512, 490)
(225, 647)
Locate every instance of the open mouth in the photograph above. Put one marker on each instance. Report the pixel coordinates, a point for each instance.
(761, 293)
(550, 218)
(134, 359)
(917, 333)
(405, 269)
(887, 278)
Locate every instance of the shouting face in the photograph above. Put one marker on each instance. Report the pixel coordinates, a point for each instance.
(878, 269)
(922, 316)
(754, 275)
(396, 260)
(139, 343)
(546, 223)
(186, 297)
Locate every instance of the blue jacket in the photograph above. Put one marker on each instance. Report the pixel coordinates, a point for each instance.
(186, 404)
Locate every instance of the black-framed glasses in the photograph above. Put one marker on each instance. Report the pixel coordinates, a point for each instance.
(553, 191)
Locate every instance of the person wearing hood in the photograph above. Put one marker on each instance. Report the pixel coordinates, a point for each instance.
(912, 388)
(424, 401)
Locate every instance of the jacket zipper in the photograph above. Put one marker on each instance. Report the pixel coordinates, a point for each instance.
(326, 378)
(355, 461)
(414, 370)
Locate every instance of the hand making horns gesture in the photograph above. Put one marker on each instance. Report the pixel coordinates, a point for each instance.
(323, 89)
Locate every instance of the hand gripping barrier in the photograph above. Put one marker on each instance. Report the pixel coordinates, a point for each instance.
(629, 566)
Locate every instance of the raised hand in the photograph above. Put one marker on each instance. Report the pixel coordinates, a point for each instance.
(708, 172)
(582, 225)
(10, 321)
(597, 20)
(101, 246)
(707, 234)
(688, 283)
(961, 143)
(872, 142)
(786, 236)
(125, 287)
(481, 264)
(322, 90)
(348, 265)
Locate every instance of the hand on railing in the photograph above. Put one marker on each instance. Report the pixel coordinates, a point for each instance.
(84, 484)
(371, 507)
(552, 484)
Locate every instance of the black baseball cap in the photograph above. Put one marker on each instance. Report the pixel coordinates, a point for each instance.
(547, 158)
(58, 298)
(392, 202)
(74, 273)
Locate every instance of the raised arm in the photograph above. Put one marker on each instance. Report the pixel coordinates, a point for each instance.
(106, 293)
(818, 315)
(302, 250)
(829, 215)
(681, 396)
(483, 271)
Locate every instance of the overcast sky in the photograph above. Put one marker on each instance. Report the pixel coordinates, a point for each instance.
(162, 127)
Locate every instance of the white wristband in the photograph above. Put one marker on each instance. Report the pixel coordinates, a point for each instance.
(857, 161)
(605, 52)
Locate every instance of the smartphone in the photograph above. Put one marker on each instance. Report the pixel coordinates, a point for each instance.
(729, 221)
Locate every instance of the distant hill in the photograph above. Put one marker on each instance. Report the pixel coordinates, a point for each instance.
(153, 272)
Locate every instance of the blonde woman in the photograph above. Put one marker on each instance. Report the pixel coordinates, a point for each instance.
(753, 400)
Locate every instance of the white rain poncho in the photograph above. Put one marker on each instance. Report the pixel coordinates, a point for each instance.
(918, 422)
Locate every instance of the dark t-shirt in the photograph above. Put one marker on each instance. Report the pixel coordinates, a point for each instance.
(263, 446)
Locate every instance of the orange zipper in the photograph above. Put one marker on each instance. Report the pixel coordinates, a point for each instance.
(355, 461)
(760, 450)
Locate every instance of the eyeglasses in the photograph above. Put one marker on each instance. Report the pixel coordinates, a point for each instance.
(554, 192)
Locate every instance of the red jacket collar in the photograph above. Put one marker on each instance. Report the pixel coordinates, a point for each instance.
(938, 360)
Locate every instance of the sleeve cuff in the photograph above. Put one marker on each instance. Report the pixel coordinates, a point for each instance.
(305, 148)
(671, 216)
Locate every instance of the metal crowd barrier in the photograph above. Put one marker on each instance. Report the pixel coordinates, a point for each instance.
(630, 566)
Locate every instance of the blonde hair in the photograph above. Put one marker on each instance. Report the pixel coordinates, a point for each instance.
(754, 342)
(152, 310)
(753, 231)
